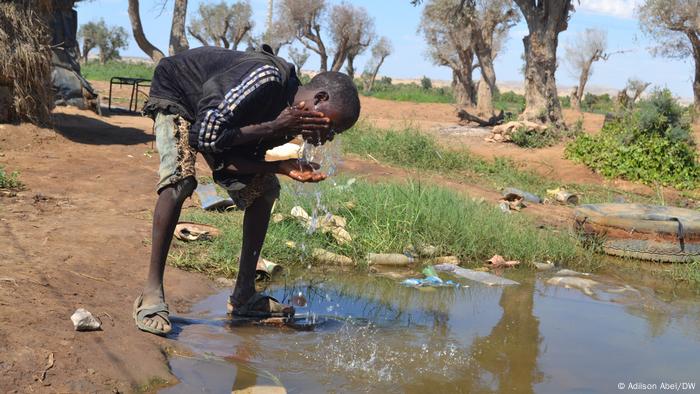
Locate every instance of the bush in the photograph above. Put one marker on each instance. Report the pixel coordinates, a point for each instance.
(9, 181)
(651, 144)
(509, 101)
(597, 103)
(426, 83)
(531, 138)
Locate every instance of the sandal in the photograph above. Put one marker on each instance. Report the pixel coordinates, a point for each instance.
(260, 306)
(141, 312)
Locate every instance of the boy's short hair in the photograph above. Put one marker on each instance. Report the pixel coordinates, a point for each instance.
(342, 94)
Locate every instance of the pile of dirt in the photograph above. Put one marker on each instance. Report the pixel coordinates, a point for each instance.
(25, 62)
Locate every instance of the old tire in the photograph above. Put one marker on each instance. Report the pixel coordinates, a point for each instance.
(646, 232)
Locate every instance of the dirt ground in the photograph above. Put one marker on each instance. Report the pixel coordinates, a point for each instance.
(79, 235)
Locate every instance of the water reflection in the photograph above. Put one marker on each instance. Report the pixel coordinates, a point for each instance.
(382, 337)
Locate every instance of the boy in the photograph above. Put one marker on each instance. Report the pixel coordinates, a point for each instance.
(231, 107)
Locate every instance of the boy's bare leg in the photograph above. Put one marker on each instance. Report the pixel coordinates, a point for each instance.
(165, 217)
(255, 222)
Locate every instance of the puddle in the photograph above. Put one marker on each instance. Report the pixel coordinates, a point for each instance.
(382, 337)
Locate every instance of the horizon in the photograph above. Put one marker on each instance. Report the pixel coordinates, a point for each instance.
(399, 22)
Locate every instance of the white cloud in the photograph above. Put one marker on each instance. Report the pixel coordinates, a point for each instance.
(616, 8)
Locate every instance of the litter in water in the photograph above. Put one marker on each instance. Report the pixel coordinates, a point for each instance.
(266, 269)
(498, 261)
(585, 285)
(395, 259)
(323, 256)
(477, 276)
(566, 272)
(544, 266)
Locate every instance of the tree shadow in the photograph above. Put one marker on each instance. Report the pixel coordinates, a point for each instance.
(87, 130)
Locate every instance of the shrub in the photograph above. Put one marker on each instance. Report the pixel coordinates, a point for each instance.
(531, 138)
(651, 144)
(9, 181)
(597, 103)
(426, 83)
(509, 101)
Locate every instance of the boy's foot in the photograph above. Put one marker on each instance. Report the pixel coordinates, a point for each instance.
(152, 315)
(259, 306)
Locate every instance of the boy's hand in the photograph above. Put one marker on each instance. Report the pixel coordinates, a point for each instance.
(300, 171)
(297, 119)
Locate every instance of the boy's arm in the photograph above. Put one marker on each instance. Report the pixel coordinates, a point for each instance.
(220, 122)
(298, 170)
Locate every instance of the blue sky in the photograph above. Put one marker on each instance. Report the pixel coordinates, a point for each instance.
(398, 20)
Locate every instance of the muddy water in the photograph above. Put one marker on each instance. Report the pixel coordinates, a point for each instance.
(381, 337)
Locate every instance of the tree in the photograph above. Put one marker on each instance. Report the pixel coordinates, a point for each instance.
(380, 51)
(635, 87)
(107, 39)
(178, 38)
(88, 32)
(488, 22)
(449, 44)
(352, 31)
(298, 57)
(545, 20)
(304, 18)
(137, 28)
(222, 25)
(673, 25)
(589, 46)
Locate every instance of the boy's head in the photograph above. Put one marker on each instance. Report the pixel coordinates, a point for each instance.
(335, 95)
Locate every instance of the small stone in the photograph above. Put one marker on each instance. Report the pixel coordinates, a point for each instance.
(83, 320)
(497, 137)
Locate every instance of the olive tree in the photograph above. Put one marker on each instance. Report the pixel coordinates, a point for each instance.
(587, 47)
(488, 22)
(107, 39)
(449, 44)
(304, 19)
(545, 20)
(380, 51)
(298, 57)
(352, 31)
(675, 27)
(178, 39)
(221, 24)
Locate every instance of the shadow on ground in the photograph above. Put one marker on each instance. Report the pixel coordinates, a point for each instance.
(86, 130)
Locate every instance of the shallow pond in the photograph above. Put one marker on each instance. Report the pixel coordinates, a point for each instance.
(379, 336)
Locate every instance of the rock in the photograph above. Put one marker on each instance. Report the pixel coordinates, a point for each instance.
(498, 137)
(83, 320)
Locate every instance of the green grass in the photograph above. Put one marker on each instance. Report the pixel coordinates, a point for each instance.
(412, 149)
(386, 219)
(411, 92)
(103, 72)
(10, 180)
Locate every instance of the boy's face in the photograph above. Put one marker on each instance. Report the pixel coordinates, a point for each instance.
(336, 117)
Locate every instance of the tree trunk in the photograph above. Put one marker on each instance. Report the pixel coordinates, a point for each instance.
(374, 75)
(575, 99)
(350, 68)
(695, 44)
(582, 81)
(178, 39)
(145, 45)
(487, 86)
(541, 100)
(545, 20)
(463, 88)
